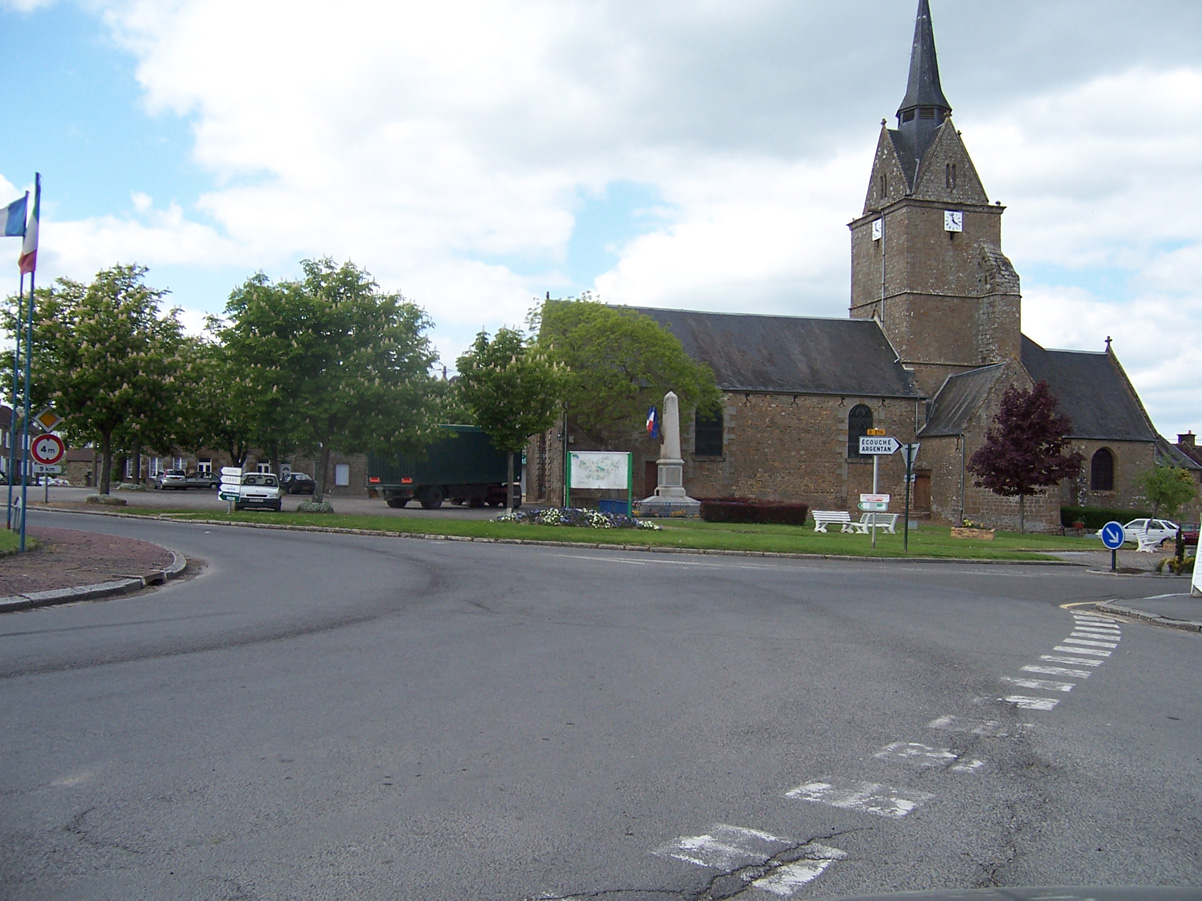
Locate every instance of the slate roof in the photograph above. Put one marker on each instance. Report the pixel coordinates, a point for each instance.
(1170, 454)
(960, 396)
(790, 355)
(1093, 390)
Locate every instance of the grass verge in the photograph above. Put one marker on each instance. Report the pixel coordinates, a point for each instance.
(929, 541)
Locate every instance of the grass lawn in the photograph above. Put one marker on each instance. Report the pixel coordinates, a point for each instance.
(11, 541)
(928, 541)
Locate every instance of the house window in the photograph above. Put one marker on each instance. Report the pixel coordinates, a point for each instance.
(342, 475)
(263, 466)
(204, 464)
(859, 421)
(707, 435)
(1101, 471)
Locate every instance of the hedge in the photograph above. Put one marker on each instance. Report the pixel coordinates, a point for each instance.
(750, 510)
(1096, 517)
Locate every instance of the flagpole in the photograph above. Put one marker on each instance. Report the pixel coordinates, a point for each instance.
(25, 427)
(12, 426)
(29, 260)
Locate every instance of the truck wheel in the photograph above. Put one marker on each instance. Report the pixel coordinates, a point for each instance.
(396, 501)
(432, 499)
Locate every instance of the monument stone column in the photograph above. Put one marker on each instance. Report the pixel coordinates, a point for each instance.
(670, 498)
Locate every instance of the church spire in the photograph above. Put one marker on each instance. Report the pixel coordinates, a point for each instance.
(924, 107)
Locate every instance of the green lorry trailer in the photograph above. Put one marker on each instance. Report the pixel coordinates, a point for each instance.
(464, 468)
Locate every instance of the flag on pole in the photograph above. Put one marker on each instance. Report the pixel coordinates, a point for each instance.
(28, 260)
(652, 422)
(14, 217)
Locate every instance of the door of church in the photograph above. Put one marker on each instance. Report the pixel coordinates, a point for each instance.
(922, 491)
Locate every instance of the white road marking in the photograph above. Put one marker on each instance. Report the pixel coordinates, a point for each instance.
(726, 848)
(1080, 661)
(1073, 649)
(786, 880)
(1090, 643)
(1088, 631)
(733, 848)
(1057, 671)
(867, 797)
(1041, 684)
(1024, 703)
(989, 728)
(925, 755)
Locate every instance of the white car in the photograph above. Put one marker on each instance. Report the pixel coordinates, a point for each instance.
(1150, 531)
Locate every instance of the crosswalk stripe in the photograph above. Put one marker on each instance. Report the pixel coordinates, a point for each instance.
(868, 797)
(1025, 703)
(1074, 649)
(1057, 671)
(1090, 643)
(1041, 684)
(1080, 661)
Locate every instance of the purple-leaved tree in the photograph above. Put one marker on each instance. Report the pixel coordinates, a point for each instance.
(1024, 449)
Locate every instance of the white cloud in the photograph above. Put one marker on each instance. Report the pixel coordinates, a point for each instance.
(445, 147)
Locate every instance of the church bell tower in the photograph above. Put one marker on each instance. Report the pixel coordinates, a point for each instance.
(926, 257)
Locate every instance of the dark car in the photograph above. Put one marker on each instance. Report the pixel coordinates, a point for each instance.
(1189, 534)
(298, 483)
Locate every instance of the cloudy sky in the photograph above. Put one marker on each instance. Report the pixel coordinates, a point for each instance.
(672, 153)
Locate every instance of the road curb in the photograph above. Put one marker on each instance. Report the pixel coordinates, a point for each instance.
(35, 599)
(1153, 618)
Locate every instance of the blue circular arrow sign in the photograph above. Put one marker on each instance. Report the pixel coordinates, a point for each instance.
(1113, 535)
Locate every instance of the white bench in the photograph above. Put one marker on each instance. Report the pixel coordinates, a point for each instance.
(1146, 544)
(824, 518)
(886, 522)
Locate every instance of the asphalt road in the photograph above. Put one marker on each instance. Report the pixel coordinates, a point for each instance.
(320, 716)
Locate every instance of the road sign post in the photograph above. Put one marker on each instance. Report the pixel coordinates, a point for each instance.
(877, 445)
(1113, 536)
(909, 452)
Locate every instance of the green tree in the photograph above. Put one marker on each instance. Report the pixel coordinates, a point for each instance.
(108, 361)
(618, 362)
(332, 363)
(1167, 488)
(1024, 447)
(512, 388)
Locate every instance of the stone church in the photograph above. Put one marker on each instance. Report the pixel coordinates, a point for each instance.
(932, 342)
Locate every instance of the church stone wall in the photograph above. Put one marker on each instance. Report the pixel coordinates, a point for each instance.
(794, 448)
(1131, 460)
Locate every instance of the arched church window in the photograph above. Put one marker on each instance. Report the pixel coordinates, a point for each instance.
(884, 185)
(1101, 471)
(950, 175)
(859, 421)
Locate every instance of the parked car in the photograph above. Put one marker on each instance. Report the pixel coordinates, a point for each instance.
(171, 478)
(298, 483)
(259, 490)
(202, 480)
(1155, 531)
(1189, 534)
(57, 482)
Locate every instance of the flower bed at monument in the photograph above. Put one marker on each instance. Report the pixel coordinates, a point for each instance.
(578, 517)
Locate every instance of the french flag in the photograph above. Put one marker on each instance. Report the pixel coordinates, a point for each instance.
(28, 261)
(652, 423)
(14, 218)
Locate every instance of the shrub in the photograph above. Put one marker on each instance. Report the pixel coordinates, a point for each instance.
(750, 510)
(1096, 517)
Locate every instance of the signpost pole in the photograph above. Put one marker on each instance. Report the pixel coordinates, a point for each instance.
(876, 459)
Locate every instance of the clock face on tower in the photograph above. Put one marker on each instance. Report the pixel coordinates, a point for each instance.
(953, 221)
